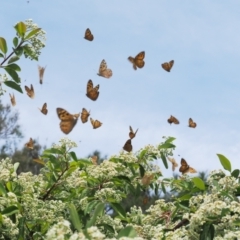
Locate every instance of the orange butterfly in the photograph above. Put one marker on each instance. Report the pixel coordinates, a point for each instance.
(131, 133)
(174, 163)
(41, 72)
(30, 91)
(44, 109)
(68, 121)
(191, 123)
(29, 144)
(128, 146)
(146, 180)
(185, 168)
(84, 115)
(92, 92)
(104, 71)
(13, 100)
(88, 35)
(95, 160)
(138, 60)
(95, 123)
(172, 119)
(168, 65)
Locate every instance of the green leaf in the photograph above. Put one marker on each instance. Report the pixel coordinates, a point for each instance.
(207, 232)
(98, 211)
(33, 32)
(15, 166)
(14, 67)
(225, 162)
(143, 152)
(18, 51)
(13, 59)
(21, 228)
(166, 145)
(2, 190)
(53, 151)
(199, 183)
(13, 85)
(164, 160)
(13, 74)
(119, 210)
(10, 210)
(235, 173)
(170, 140)
(142, 170)
(74, 217)
(73, 155)
(3, 45)
(128, 231)
(21, 29)
(163, 188)
(15, 41)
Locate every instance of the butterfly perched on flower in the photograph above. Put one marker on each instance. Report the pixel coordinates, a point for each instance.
(44, 109)
(132, 134)
(92, 92)
(191, 123)
(88, 35)
(12, 99)
(30, 91)
(185, 168)
(95, 123)
(41, 72)
(68, 121)
(104, 71)
(168, 65)
(172, 119)
(174, 163)
(95, 160)
(128, 145)
(138, 60)
(29, 144)
(84, 115)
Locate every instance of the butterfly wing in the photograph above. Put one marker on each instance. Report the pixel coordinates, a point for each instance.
(30, 91)
(184, 166)
(12, 99)
(174, 163)
(95, 123)
(41, 72)
(88, 35)
(128, 146)
(131, 133)
(131, 59)
(29, 144)
(44, 109)
(191, 123)
(92, 93)
(139, 60)
(84, 115)
(95, 160)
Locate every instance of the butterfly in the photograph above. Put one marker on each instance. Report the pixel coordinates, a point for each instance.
(128, 146)
(44, 109)
(131, 133)
(172, 119)
(13, 100)
(146, 180)
(95, 123)
(185, 168)
(168, 65)
(88, 35)
(104, 71)
(29, 144)
(84, 115)
(92, 92)
(191, 123)
(174, 163)
(138, 60)
(68, 121)
(95, 160)
(41, 72)
(30, 91)
(145, 200)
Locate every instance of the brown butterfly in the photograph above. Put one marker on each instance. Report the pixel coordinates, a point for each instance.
(172, 119)
(131, 133)
(168, 65)
(185, 168)
(88, 35)
(174, 163)
(145, 200)
(95, 160)
(191, 123)
(30, 91)
(92, 92)
(29, 144)
(44, 109)
(13, 100)
(41, 72)
(138, 60)
(104, 71)
(128, 146)
(68, 121)
(146, 180)
(95, 123)
(84, 115)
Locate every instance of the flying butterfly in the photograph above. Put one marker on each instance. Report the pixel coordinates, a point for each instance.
(88, 35)
(29, 144)
(30, 91)
(68, 121)
(185, 168)
(128, 146)
(84, 115)
(138, 60)
(131, 133)
(172, 119)
(95, 160)
(191, 123)
(95, 123)
(168, 65)
(174, 163)
(44, 109)
(41, 72)
(92, 92)
(13, 100)
(104, 71)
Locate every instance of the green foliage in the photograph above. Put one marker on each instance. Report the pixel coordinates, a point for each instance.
(225, 162)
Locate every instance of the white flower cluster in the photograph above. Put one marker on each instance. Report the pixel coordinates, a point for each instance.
(65, 143)
(7, 171)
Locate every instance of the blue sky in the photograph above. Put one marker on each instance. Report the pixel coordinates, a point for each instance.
(203, 39)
